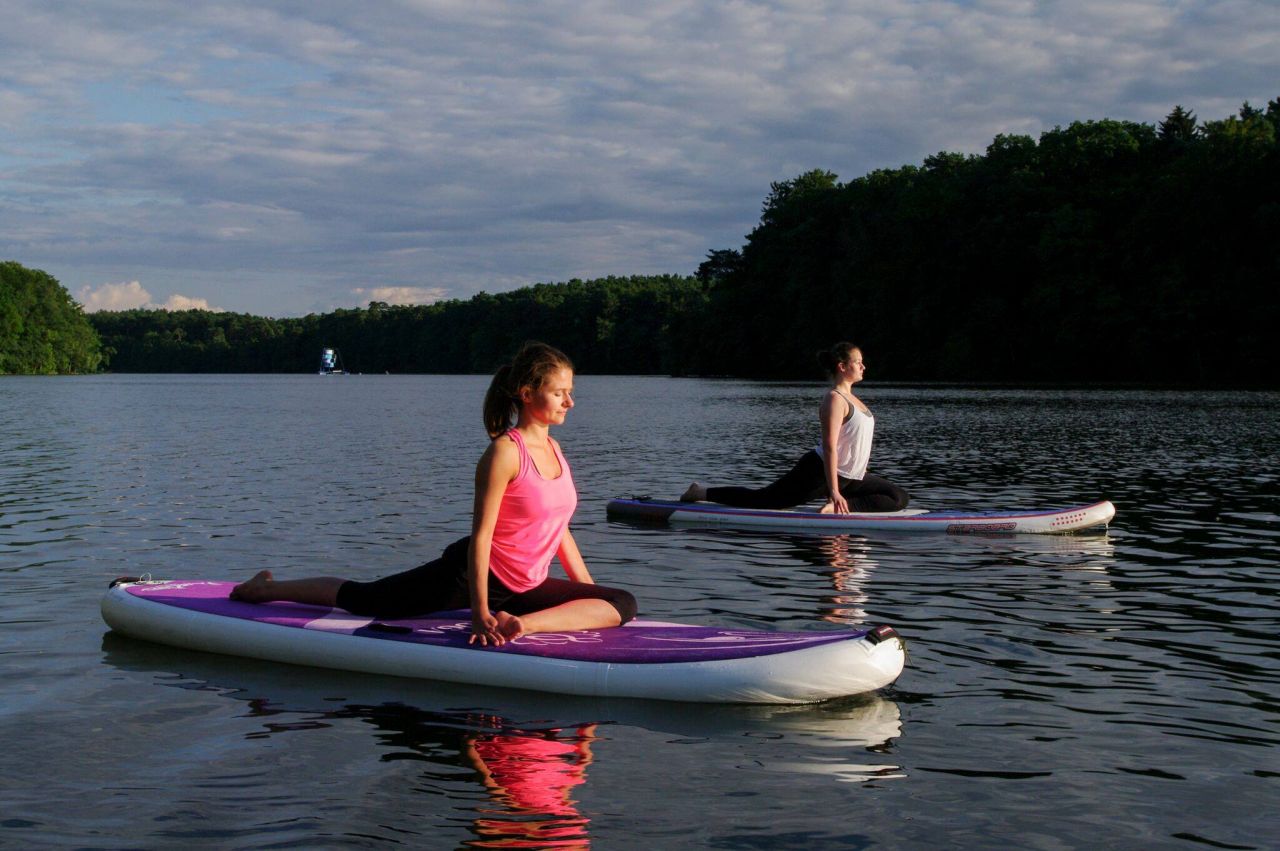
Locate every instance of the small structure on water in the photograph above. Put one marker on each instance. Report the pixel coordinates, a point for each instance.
(331, 363)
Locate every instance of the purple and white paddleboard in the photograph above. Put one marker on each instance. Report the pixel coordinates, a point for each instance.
(1043, 521)
(644, 659)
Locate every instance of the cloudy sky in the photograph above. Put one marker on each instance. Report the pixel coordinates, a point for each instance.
(281, 158)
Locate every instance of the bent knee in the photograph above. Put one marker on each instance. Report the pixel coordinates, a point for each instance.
(625, 603)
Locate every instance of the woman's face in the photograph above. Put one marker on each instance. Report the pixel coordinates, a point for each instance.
(854, 367)
(550, 402)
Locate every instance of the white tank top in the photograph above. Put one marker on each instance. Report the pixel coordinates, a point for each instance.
(853, 443)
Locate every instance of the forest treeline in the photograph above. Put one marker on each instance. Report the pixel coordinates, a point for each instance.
(611, 325)
(1103, 251)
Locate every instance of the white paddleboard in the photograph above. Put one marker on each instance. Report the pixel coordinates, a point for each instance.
(1031, 521)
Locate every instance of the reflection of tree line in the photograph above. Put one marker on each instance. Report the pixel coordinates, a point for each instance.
(530, 773)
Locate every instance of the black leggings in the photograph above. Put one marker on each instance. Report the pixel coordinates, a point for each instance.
(807, 481)
(441, 585)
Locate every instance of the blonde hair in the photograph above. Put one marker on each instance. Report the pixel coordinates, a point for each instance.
(529, 368)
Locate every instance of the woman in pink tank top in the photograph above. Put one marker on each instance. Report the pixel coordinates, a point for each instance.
(523, 501)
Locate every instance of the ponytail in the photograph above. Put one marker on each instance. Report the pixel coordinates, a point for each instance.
(530, 368)
(500, 405)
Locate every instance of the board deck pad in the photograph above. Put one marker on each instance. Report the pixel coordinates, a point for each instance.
(639, 642)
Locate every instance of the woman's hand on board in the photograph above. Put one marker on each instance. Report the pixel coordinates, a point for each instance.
(484, 628)
(835, 505)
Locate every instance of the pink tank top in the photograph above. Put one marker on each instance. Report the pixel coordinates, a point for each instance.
(532, 519)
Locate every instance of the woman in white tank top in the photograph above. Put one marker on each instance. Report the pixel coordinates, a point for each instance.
(837, 468)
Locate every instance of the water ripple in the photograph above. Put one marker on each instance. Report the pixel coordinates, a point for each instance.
(1084, 690)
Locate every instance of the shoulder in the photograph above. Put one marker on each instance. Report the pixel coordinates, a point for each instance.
(502, 446)
(835, 401)
(501, 454)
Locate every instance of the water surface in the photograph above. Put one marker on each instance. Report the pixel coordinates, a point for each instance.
(1118, 689)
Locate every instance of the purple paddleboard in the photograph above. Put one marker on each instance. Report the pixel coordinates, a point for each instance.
(642, 659)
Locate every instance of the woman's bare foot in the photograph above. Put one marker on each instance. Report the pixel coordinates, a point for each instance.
(510, 627)
(696, 493)
(253, 590)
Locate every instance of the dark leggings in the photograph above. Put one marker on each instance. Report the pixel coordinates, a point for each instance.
(441, 585)
(807, 481)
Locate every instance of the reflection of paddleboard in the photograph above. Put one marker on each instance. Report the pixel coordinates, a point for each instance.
(1039, 521)
(644, 659)
(862, 721)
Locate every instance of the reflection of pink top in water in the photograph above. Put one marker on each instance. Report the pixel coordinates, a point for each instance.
(532, 519)
(535, 773)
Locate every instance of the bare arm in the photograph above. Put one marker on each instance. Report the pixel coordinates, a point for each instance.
(571, 559)
(834, 410)
(498, 466)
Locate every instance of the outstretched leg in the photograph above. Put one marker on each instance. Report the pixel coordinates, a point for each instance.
(315, 591)
(801, 483)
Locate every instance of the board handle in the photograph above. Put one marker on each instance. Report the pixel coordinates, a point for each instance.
(882, 633)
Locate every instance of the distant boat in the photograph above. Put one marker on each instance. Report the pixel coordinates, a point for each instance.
(331, 363)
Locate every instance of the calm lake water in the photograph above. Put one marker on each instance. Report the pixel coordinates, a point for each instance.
(1110, 690)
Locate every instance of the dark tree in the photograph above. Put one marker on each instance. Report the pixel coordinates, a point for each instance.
(1179, 126)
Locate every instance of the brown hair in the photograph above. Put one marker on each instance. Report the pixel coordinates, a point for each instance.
(529, 368)
(828, 359)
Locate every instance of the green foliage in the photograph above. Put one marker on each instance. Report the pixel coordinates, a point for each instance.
(1104, 251)
(612, 325)
(1179, 126)
(42, 329)
(719, 264)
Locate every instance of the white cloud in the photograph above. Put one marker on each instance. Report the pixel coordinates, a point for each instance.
(127, 296)
(182, 302)
(132, 296)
